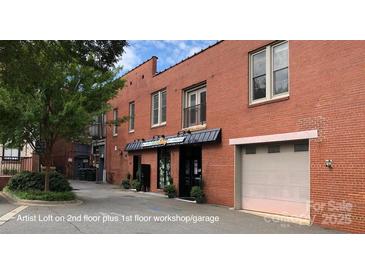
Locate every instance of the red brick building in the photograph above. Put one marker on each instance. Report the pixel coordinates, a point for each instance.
(69, 157)
(268, 126)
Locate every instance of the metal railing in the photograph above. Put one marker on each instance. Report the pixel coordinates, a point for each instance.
(97, 130)
(194, 115)
(12, 165)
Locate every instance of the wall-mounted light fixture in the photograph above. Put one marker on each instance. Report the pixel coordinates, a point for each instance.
(328, 163)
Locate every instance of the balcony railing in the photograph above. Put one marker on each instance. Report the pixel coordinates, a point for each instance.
(194, 115)
(97, 130)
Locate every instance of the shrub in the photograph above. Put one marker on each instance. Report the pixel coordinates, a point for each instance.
(58, 182)
(35, 181)
(10, 171)
(135, 184)
(198, 194)
(126, 184)
(170, 190)
(43, 196)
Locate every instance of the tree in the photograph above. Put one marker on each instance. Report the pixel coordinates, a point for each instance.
(54, 89)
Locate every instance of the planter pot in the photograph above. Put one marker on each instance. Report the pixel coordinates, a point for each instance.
(171, 195)
(200, 200)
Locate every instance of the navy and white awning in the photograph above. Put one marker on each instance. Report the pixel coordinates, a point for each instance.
(183, 138)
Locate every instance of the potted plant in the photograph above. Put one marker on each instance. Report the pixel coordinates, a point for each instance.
(136, 184)
(197, 193)
(126, 184)
(170, 190)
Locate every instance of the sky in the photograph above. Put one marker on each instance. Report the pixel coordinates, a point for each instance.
(169, 52)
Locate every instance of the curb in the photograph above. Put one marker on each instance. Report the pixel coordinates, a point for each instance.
(14, 200)
(131, 190)
(278, 218)
(186, 201)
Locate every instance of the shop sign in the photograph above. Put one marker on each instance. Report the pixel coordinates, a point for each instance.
(163, 141)
(175, 140)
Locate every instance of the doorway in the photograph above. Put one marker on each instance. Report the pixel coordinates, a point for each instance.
(146, 177)
(80, 166)
(100, 170)
(137, 160)
(190, 168)
(163, 168)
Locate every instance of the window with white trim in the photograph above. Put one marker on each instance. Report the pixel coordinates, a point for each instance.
(11, 153)
(131, 116)
(158, 113)
(269, 73)
(115, 122)
(195, 106)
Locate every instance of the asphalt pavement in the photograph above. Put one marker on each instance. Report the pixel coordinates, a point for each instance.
(109, 209)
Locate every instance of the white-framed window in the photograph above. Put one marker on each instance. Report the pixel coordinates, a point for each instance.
(11, 154)
(269, 73)
(158, 113)
(115, 122)
(195, 106)
(131, 116)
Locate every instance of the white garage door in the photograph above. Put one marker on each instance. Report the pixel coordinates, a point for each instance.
(275, 178)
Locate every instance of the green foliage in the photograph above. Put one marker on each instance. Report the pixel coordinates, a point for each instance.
(136, 184)
(58, 182)
(43, 196)
(53, 89)
(170, 190)
(197, 193)
(35, 181)
(126, 184)
(9, 171)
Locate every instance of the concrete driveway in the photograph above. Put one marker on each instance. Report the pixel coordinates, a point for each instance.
(108, 209)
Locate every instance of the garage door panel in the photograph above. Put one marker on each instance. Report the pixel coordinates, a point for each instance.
(295, 193)
(276, 182)
(287, 208)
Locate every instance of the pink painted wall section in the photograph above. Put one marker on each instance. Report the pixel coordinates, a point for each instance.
(4, 181)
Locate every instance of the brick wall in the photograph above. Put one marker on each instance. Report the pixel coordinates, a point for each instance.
(327, 92)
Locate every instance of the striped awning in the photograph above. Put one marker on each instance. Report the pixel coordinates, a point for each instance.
(186, 138)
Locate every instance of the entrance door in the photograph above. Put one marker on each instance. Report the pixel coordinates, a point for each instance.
(190, 169)
(146, 177)
(137, 159)
(163, 168)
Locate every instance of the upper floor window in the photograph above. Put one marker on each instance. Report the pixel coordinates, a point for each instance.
(131, 116)
(11, 154)
(115, 122)
(97, 129)
(195, 106)
(158, 115)
(269, 73)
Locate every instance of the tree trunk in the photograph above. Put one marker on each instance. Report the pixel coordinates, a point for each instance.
(46, 177)
(48, 162)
